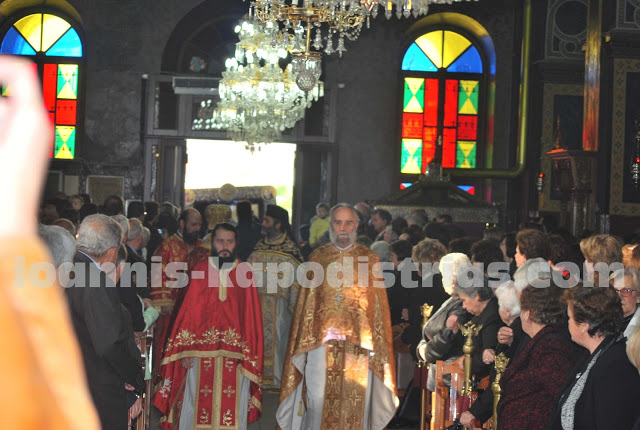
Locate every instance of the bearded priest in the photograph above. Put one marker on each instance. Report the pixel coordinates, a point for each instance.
(339, 370)
(277, 303)
(175, 249)
(211, 368)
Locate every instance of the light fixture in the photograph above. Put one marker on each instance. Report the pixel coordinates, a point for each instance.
(340, 18)
(258, 98)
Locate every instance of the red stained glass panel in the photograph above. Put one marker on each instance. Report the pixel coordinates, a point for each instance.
(428, 146)
(49, 82)
(451, 103)
(66, 112)
(467, 127)
(449, 147)
(411, 125)
(431, 102)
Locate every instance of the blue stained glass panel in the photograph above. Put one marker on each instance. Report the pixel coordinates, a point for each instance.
(469, 62)
(68, 45)
(416, 60)
(14, 43)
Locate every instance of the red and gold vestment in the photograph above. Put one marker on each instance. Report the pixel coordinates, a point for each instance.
(218, 321)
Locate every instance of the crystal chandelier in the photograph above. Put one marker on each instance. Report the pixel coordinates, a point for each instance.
(258, 99)
(343, 19)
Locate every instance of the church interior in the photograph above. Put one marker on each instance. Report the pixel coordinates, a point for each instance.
(495, 113)
(549, 75)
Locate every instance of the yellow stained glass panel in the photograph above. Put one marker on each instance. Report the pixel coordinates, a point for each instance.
(64, 153)
(31, 28)
(414, 85)
(411, 156)
(469, 98)
(431, 44)
(54, 27)
(454, 45)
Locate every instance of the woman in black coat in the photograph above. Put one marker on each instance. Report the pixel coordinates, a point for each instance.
(442, 336)
(603, 391)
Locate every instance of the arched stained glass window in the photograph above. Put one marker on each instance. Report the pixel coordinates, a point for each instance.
(443, 75)
(56, 49)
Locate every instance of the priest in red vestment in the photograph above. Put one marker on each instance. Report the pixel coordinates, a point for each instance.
(211, 368)
(175, 249)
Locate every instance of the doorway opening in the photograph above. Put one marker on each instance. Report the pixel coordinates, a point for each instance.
(213, 163)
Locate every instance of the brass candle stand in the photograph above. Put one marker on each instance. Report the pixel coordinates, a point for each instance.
(501, 363)
(426, 313)
(469, 330)
(423, 365)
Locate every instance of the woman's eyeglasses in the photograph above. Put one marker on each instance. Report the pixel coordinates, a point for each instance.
(625, 292)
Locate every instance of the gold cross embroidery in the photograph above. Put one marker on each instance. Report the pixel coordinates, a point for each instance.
(206, 391)
(229, 392)
(229, 365)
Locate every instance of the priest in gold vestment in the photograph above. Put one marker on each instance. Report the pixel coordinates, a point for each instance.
(339, 370)
(276, 302)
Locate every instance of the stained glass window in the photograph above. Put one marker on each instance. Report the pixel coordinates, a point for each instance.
(56, 50)
(443, 81)
(468, 188)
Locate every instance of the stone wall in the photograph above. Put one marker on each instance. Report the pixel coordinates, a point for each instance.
(125, 39)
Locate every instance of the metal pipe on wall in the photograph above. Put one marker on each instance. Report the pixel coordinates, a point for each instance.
(523, 113)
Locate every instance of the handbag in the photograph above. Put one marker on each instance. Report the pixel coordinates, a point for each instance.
(456, 425)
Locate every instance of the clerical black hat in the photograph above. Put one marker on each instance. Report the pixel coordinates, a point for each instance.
(279, 214)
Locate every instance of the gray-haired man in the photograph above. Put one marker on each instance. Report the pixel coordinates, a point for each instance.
(101, 323)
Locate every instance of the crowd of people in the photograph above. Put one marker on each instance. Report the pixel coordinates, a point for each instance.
(566, 342)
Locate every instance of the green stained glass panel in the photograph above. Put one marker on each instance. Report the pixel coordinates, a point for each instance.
(468, 98)
(413, 95)
(65, 142)
(411, 158)
(67, 81)
(466, 154)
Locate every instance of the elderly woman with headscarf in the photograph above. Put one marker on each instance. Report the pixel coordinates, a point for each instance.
(530, 385)
(439, 333)
(475, 303)
(480, 302)
(443, 324)
(603, 390)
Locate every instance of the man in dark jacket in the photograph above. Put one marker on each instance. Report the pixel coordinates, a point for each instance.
(102, 324)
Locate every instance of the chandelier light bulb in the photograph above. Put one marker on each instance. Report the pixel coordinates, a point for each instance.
(259, 99)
